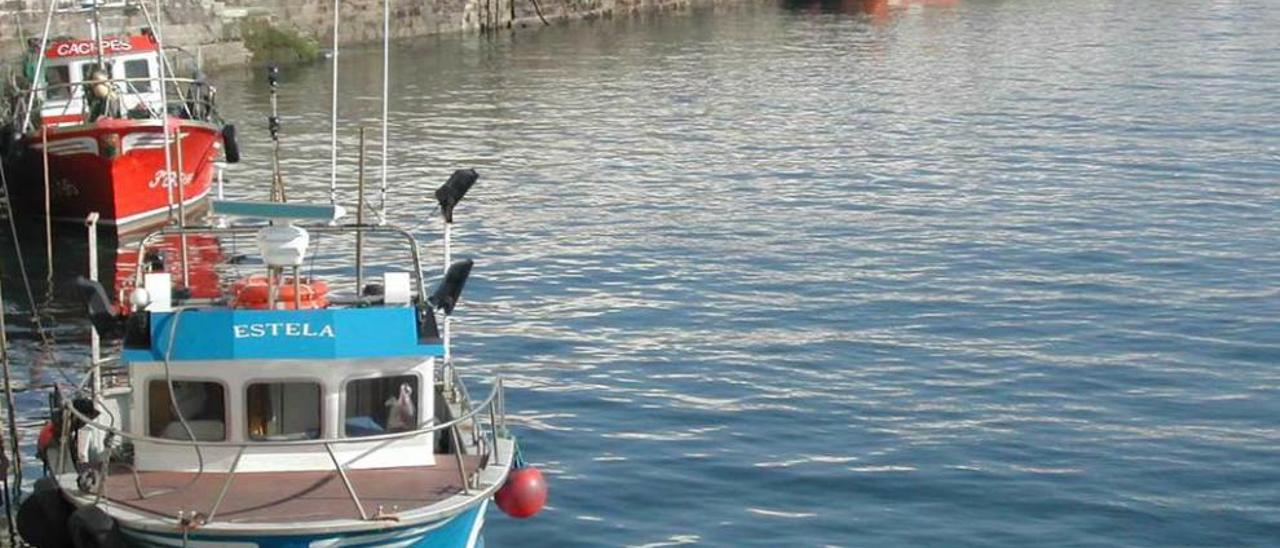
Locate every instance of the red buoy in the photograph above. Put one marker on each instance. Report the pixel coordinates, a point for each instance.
(46, 437)
(524, 493)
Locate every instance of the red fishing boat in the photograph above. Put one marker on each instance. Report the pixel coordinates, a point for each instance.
(94, 114)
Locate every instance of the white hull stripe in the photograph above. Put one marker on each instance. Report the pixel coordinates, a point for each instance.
(479, 524)
(401, 537)
(70, 146)
(142, 141)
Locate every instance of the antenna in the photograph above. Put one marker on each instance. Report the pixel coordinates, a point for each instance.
(333, 135)
(448, 195)
(273, 126)
(97, 35)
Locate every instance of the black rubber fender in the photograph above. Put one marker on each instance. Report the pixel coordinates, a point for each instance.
(7, 141)
(45, 484)
(91, 527)
(230, 147)
(42, 516)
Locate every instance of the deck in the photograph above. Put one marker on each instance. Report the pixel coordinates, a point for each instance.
(263, 497)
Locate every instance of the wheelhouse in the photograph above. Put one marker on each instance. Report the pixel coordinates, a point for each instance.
(247, 372)
(131, 63)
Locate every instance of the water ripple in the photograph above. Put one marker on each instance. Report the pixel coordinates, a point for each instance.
(862, 273)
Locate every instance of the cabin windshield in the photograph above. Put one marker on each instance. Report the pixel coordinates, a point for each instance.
(203, 405)
(382, 405)
(132, 80)
(55, 77)
(138, 68)
(282, 411)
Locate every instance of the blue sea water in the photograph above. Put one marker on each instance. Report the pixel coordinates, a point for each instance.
(980, 273)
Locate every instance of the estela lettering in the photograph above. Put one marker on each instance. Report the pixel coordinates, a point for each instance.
(281, 329)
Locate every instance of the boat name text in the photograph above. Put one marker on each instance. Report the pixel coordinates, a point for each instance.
(85, 47)
(281, 329)
(165, 179)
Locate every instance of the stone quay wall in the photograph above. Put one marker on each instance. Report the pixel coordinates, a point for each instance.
(216, 26)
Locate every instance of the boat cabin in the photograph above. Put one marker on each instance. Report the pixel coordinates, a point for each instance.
(245, 375)
(132, 69)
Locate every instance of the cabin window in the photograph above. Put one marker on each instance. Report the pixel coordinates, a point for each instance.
(381, 406)
(203, 404)
(55, 79)
(138, 68)
(87, 69)
(282, 411)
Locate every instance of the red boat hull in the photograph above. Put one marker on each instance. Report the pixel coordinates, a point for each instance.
(116, 168)
(204, 254)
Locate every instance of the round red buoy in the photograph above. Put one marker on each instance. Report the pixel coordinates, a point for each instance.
(524, 493)
(46, 437)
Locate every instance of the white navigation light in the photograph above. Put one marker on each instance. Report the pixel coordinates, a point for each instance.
(140, 298)
(283, 245)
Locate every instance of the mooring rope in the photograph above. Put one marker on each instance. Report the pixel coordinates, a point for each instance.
(47, 341)
(538, 9)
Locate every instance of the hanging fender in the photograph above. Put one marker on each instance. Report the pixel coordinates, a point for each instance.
(230, 147)
(91, 527)
(42, 516)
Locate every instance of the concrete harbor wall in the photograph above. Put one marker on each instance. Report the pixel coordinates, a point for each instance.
(218, 27)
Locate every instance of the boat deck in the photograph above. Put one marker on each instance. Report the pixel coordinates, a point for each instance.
(274, 497)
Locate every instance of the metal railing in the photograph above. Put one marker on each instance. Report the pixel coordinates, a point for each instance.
(195, 98)
(489, 447)
(414, 251)
(63, 6)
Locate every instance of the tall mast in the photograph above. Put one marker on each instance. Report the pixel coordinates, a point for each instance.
(333, 135)
(386, 83)
(97, 36)
(157, 33)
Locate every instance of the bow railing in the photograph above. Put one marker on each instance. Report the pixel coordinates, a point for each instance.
(486, 418)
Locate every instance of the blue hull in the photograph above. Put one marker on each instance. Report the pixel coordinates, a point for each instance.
(459, 531)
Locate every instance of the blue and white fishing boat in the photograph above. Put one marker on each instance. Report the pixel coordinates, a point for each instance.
(289, 411)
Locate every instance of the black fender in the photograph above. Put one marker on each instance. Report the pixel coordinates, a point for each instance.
(42, 516)
(230, 147)
(91, 527)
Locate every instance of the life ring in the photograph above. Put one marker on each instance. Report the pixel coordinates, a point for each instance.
(252, 293)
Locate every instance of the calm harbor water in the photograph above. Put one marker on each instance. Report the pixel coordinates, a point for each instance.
(991, 273)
